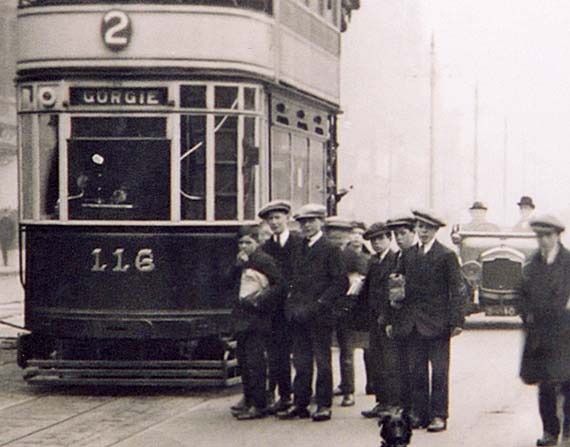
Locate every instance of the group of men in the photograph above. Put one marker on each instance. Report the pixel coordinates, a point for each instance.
(411, 302)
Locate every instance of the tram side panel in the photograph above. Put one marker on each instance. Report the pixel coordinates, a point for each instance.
(92, 284)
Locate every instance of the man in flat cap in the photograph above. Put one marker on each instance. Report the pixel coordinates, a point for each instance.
(431, 312)
(545, 293)
(382, 351)
(319, 278)
(526, 209)
(347, 235)
(283, 246)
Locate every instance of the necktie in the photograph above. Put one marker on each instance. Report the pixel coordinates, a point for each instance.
(421, 250)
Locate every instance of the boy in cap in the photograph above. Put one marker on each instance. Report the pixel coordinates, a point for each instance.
(545, 294)
(260, 286)
(282, 246)
(319, 278)
(347, 235)
(382, 351)
(431, 313)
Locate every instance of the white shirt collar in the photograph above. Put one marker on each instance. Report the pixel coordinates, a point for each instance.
(282, 238)
(551, 255)
(427, 247)
(313, 239)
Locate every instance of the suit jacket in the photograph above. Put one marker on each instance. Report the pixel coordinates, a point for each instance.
(319, 278)
(545, 295)
(435, 293)
(284, 258)
(373, 303)
(247, 317)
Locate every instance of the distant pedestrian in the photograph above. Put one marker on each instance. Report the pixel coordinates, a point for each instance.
(546, 315)
(260, 286)
(526, 209)
(7, 233)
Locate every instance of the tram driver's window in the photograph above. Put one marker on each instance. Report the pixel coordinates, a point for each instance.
(49, 166)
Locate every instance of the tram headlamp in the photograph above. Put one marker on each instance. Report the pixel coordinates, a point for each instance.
(472, 271)
(47, 97)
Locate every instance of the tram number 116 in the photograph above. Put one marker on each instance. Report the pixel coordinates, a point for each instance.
(144, 261)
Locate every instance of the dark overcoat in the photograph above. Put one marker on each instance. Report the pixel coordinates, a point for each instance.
(319, 278)
(373, 302)
(247, 317)
(434, 293)
(545, 293)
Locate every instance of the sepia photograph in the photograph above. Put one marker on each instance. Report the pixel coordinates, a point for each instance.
(284, 223)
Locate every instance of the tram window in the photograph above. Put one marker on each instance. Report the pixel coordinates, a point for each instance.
(225, 170)
(193, 167)
(118, 176)
(316, 166)
(300, 153)
(49, 166)
(250, 168)
(249, 98)
(281, 164)
(118, 127)
(226, 97)
(193, 96)
(27, 166)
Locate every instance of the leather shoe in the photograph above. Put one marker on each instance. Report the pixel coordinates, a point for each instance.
(294, 412)
(377, 412)
(547, 440)
(322, 414)
(437, 424)
(338, 392)
(239, 406)
(279, 406)
(250, 413)
(417, 422)
(347, 400)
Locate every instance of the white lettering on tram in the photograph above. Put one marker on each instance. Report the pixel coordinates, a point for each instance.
(116, 30)
(120, 97)
(144, 260)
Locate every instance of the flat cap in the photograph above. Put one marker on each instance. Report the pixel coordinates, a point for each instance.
(376, 229)
(311, 210)
(401, 220)
(338, 222)
(526, 201)
(546, 223)
(275, 205)
(478, 206)
(429, 217)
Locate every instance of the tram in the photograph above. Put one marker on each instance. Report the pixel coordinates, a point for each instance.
(149, 131)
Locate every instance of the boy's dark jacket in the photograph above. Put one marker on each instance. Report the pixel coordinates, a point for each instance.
(319, 278)
(249, 317)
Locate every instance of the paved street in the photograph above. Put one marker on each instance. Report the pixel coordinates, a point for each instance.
(489, 406)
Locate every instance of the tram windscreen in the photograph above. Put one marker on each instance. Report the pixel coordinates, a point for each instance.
(119, 169)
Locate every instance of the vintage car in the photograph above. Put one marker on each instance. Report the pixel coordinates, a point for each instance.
(492, 264)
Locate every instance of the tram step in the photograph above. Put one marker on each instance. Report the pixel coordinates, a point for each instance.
(138, 364)
(42, 379)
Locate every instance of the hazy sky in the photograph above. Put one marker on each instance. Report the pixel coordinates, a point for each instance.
(517, 53)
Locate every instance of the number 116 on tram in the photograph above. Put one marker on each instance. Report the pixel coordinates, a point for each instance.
(149, 131)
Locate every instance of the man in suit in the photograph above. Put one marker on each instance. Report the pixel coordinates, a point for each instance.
(545, 293)
(382, 351)
(431, 313)
(283, 245)
(319, 278)
(526, 209)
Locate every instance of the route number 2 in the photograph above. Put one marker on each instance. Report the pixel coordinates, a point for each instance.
(116, 30)
(144, 261)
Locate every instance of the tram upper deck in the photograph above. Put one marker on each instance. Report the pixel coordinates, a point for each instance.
(289, 42)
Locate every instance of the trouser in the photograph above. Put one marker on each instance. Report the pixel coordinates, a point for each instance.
(312, 344)
(251, 359)
(385, 361)
(345, 338)
(368, 370)
(4, 246)
(547, 398)
(279, 357)
(429, 403)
